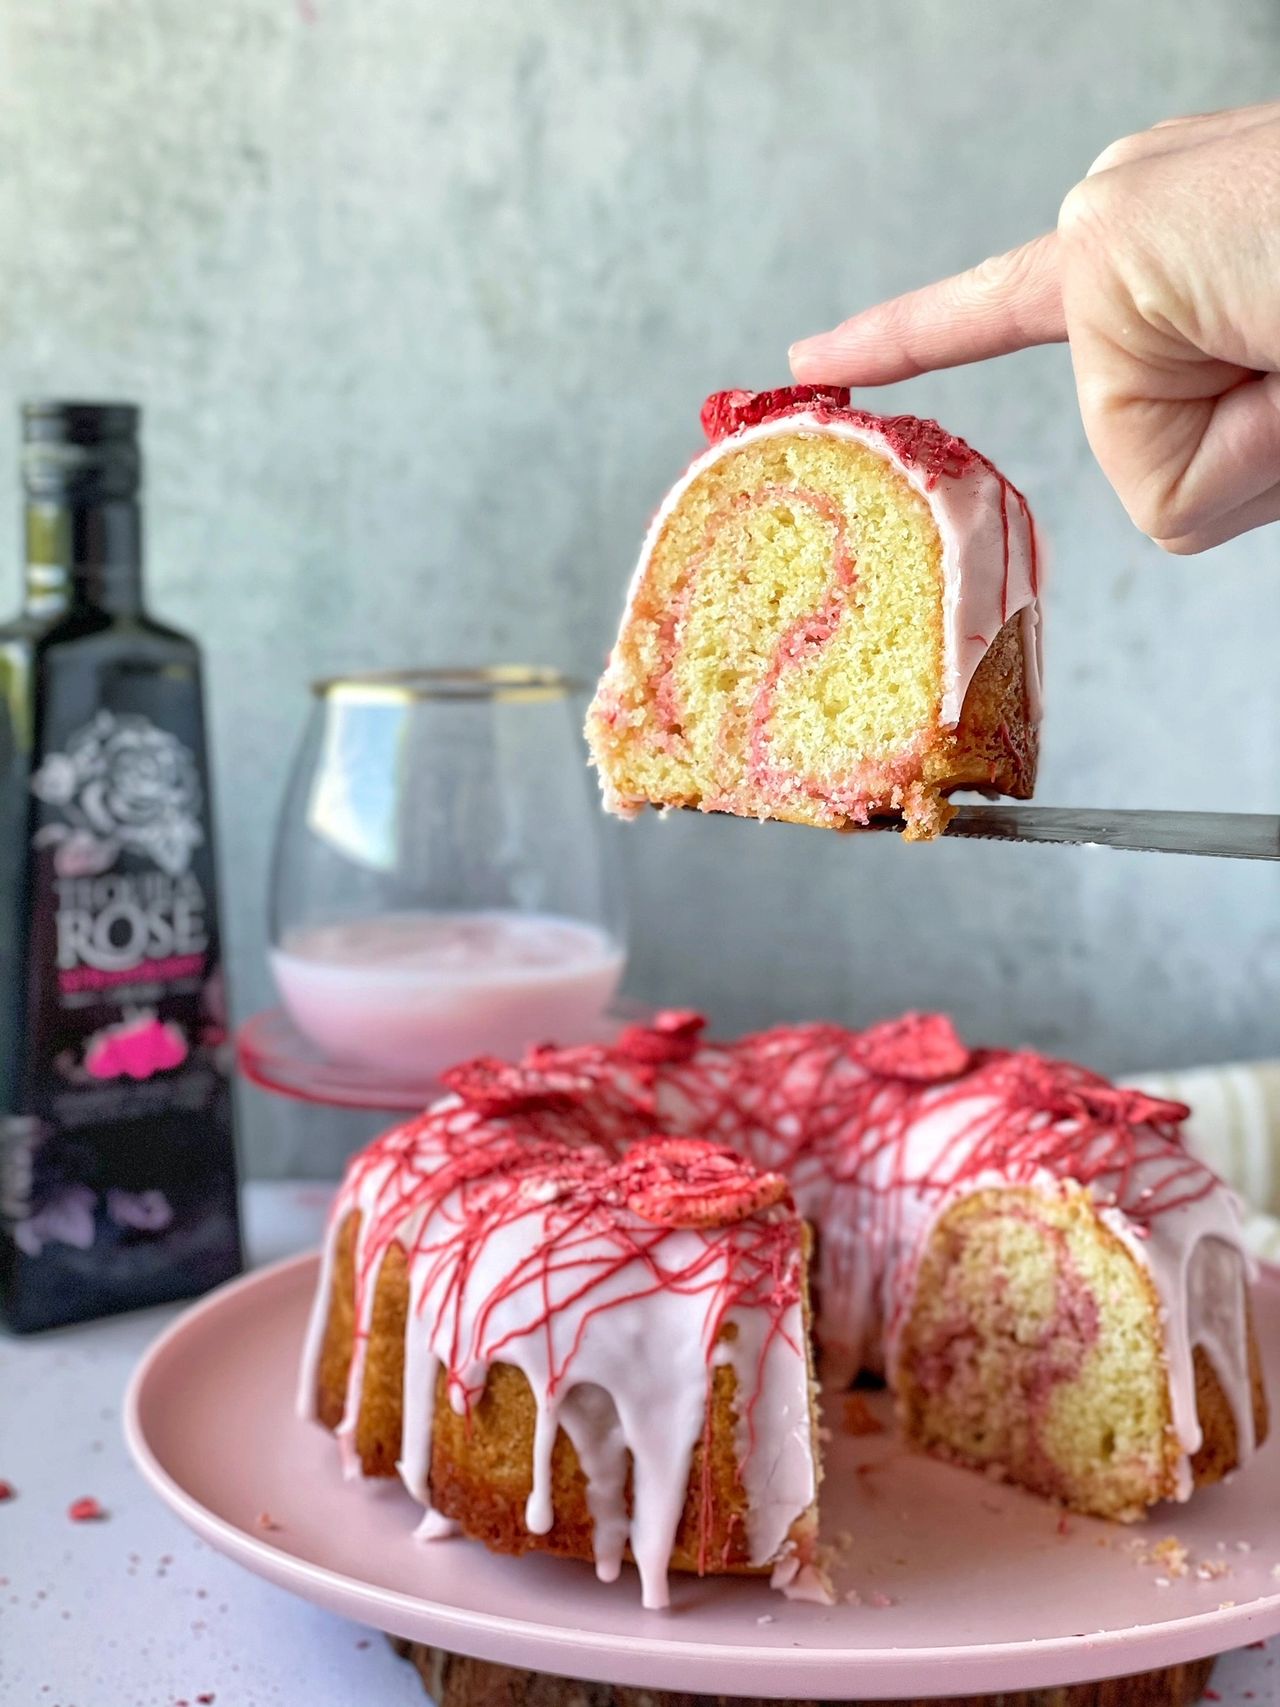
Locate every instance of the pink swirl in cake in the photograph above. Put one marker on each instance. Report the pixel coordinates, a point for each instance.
(834, 614)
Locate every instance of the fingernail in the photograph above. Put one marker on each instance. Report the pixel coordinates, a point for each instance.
(804, 350)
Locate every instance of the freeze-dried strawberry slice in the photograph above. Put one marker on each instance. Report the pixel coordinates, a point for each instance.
(687, 1182)
(726, 412)
(922, 1048)
(1071, 1093)
(1123, 1106)
(497, 1087)
(86, 1510)
(673, 1036)
(923, 444)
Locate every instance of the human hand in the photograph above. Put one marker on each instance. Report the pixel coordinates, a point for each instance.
(1164, 276)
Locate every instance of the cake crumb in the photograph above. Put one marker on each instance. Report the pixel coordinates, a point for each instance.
(1225, 1605)
(1244, 1546)
(1164, 1582)
(858, 1418)
(766, 1618)
(1209, 1570)
(853, 1598)
(880, 1600)
(1170, 1553)
(267, 1523)
(804, 1579)
(1064, 1527)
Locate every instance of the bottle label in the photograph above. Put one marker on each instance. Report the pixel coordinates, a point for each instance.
(116, 1168)
(120, 786)
(120, 830)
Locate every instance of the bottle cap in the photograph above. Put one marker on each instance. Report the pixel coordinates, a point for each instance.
(86, 451)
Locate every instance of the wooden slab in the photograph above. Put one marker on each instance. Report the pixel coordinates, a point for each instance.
(455, 1680)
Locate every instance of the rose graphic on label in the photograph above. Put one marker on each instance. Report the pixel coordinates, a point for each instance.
(139, 1046)
(121, 784)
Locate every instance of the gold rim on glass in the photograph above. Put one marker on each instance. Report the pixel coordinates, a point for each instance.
(525, 682)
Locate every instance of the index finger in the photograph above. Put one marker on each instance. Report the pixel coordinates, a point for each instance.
(1007, 303)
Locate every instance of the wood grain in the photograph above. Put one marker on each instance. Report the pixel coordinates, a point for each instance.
(455, 1680)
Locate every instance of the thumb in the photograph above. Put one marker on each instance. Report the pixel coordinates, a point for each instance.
(1006, 303)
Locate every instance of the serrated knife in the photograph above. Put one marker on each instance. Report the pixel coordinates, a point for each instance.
(1218, 835)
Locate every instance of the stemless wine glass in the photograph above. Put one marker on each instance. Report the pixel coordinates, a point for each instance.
(439, 888)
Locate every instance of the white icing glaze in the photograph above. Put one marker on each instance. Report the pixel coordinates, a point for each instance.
(876, 1221)
(976, 512)
(872, 1161)
(621, 1361)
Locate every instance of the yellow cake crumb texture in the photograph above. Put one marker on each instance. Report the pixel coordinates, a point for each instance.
(787, 631)
(1035, 1347)
(783, 653)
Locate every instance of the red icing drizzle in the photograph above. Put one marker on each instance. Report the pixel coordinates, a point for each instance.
(673, 1212)
(566, 1141)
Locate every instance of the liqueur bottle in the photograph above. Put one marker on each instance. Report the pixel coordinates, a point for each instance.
(117, 1164)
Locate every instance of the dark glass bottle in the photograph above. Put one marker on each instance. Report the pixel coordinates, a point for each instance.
(117, 1166)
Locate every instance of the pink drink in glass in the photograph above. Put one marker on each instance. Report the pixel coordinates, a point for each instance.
(414, 993)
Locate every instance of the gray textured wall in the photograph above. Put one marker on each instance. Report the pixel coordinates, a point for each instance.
(422, 299)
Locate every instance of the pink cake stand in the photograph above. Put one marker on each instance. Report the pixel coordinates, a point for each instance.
(274, 1055)
(948, 1583)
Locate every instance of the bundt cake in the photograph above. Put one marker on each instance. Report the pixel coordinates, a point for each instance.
(568, 1304)
(835, 616)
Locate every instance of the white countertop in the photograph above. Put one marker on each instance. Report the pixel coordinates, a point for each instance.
(134, 1611)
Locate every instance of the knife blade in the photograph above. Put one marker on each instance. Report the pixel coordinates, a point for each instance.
(1216, 835)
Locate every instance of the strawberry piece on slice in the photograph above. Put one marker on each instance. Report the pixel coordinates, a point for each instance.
(688, 1182)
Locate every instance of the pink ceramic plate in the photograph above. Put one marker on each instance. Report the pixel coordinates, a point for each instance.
(961, 1584)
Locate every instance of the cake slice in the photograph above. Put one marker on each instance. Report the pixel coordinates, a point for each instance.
(835, 616)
